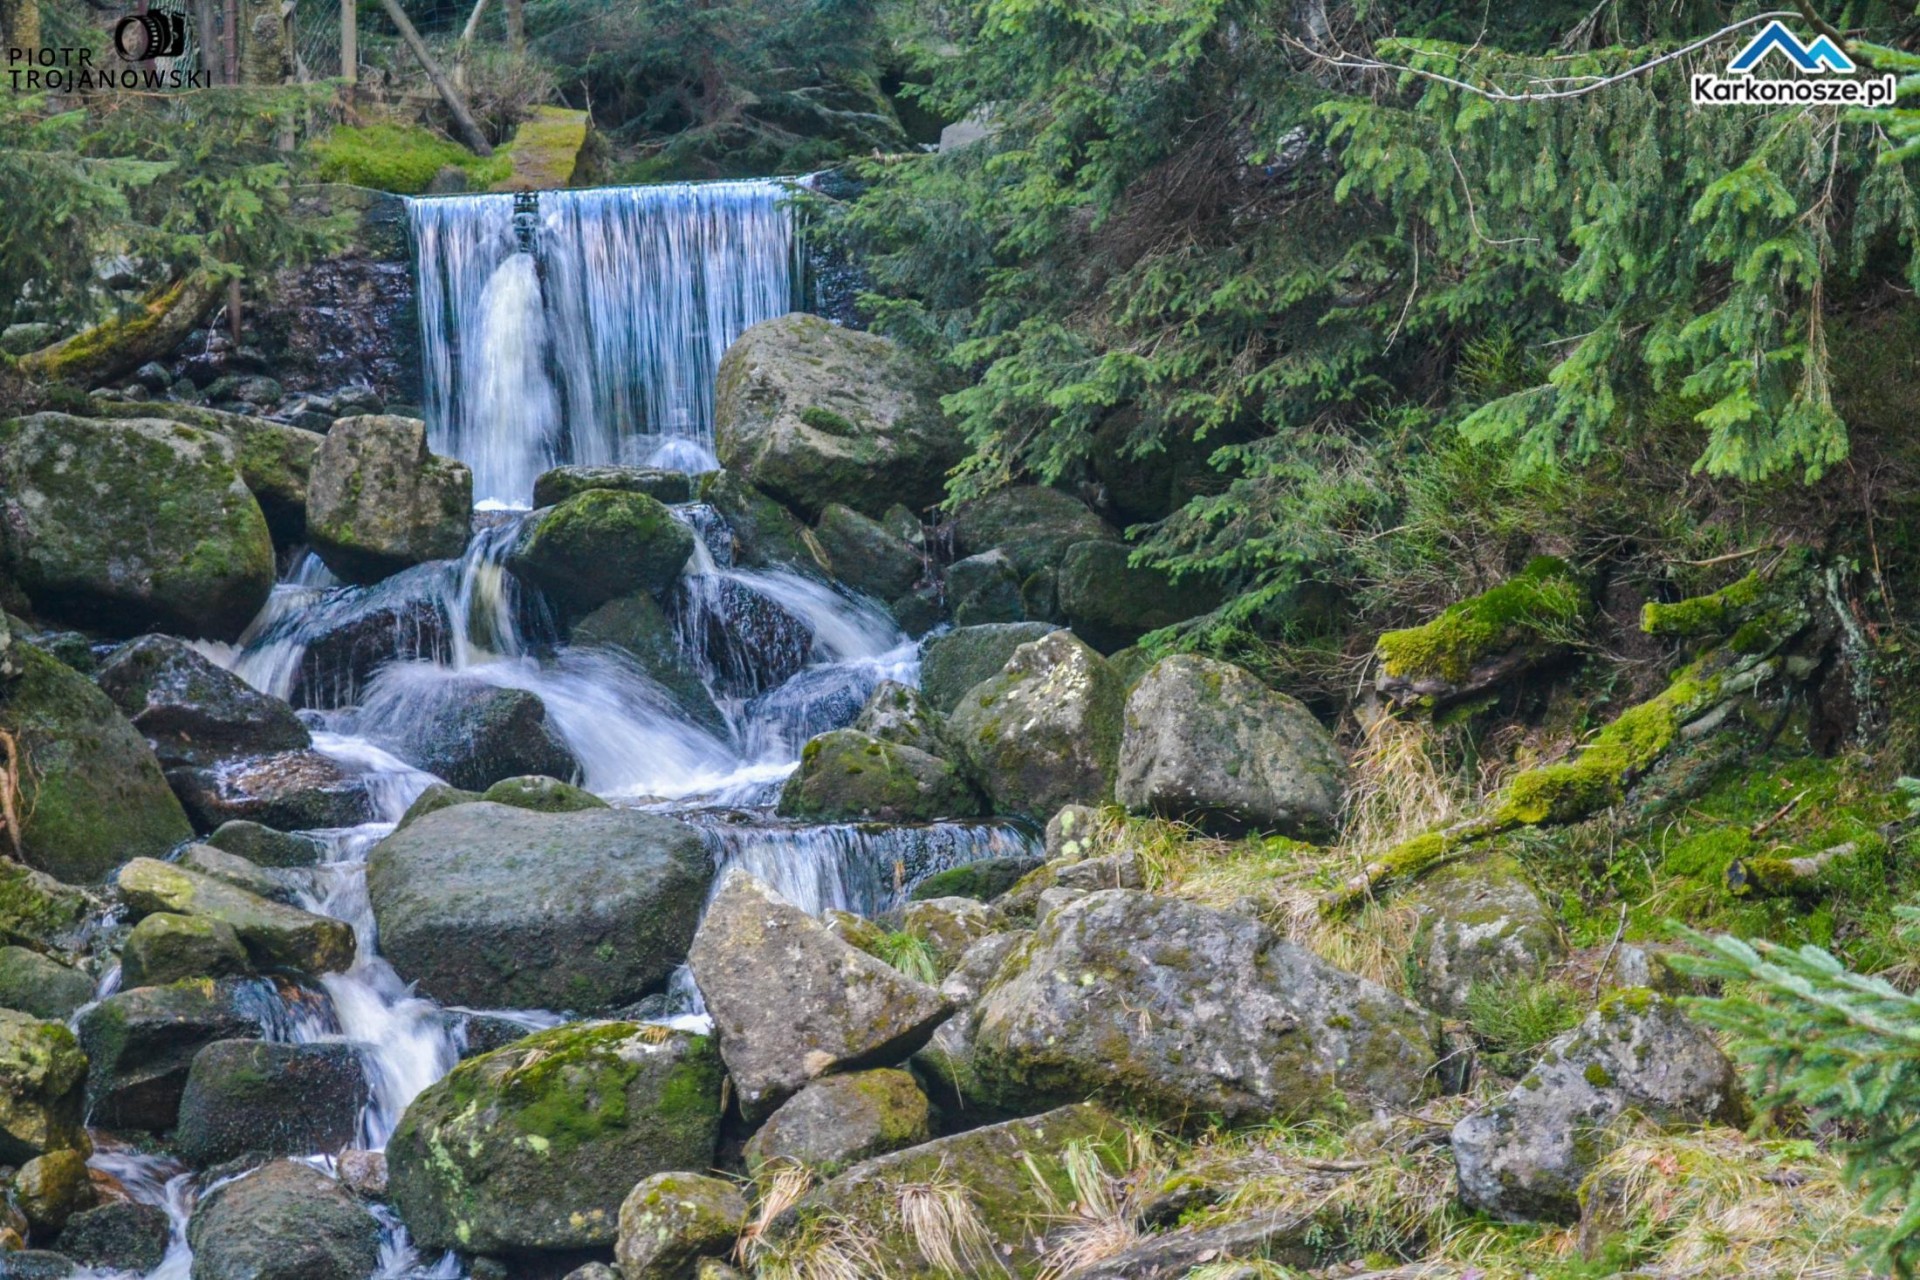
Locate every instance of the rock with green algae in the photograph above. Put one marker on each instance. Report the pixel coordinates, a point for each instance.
(1479, 643)
(275, 935)
(264, 846)
(1206, 742)
(166, 948)
(534, 1146)
(1111, 602)
(1524, 1158)
(542, 795)
(40, 985)
(276, 884)
(257, 1097)
(128, 526)
(140, 1044)
(792, 1002)
(283, 1221)
(901, 714)
(945, 1064)
(1033, 525)
(669, 1221)
(949, 926)
(556, 486)
(37, 911)
(765, 534)
(849, 776)
(1184, 1012)
(51, 1188)
(640, 630)
(984, 589)
(119, 1235)
(600, 545)
(436, 797)
(95, 795)
(1716, 613)
(380, 502)
(865, 556)
(983, 879)
(1044, 731)
(953, 663)
(1480, 923)
(43, 1086)
(275, 459)
(814, 414)
(841, 1120)
(1006, 1175)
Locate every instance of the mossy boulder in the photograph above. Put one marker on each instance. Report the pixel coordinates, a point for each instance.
(792, 1002)
(36, 910)
(287, 790)
(542, 795)
(1035, 526)
(983, 879)
(984, 589)
(953, 663)
(556, 486)
(841, 1120)
(436, 797)
(865, 556)
(379, 501)
(1524, 1158)
(51, 1188)
(127, 526)
(949, 926)
(1479, 643)
(1007, 1174)
(43, 1089)
(40, 985)
(669, 1221)
(264, 846)
(1186, 1012)
(273, 883)
(256, 1097)
(534, 1146)
(900, 714)
(275, 935)
(638, 629)
(466, 731)
(815, 414)
(192, 712)
(283, 1221)
(849, 776)
(498, 907)
(1110, 602)
(275, 459)
(1206, 742)
(120, 1235)
(765, 534)
(1480, 923)
(140, 1045)
(95, 794)
(600, 545)
(1044, 731)
(165, 948)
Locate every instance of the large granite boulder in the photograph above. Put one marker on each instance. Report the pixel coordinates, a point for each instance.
(498, 907)
(670, 1221)
(130, 526)
(1523, 1158)
(1045, 731)
(1480, 923)
(283, 1221)
(165, 948)
(275, 459)
(865, 555)
(792, 1002)
(140, 1045)
(848, 776)
(534, 1146)
(816, 414)
(1208, 743)
(275, 935)
(256, 1097)
(556, 486)
(349, 633)
(288, 790)
(96, 795)
(464, 730)
(900, 714)
(841, 1120)
(953, 663)
(40, 985)
(1187, 1012)
(600, 545)
(43, 1083)
(192, 712)
(1110, 602)
(379, 502)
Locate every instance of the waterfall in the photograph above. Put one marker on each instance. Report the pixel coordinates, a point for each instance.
(602, 344)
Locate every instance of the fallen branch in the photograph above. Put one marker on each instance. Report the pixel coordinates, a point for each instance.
(1782, 877)
(463, 120)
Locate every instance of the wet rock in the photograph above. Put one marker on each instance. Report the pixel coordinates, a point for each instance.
(272, 883)
(672, 1220)
(266, 847)
(363, 1172)
(953, 663)
(497, 907)
(1523, 1159)
(949, 925)
(984, 589)
(997, 1168)
(1110, 603)
(601, 545)
(533, 1147)
(900, 713)
(816, 414)
(351, 633)
(638, 628)
(765, 534)
(35, 984)
(1186, 1011)
(165, 948)
(1481, 922)
(51, 1188)
(275, 936)
(36, 910)
(36, 1264)
(274, 459)
(1044, 731)
(436, 797)
(752, 643)
(140, 1046)
(848, 776)
(865, 555)
(43, 1080)
(983, 879)
(542, 795)
(283, 1221)
(253, 1097)
(556, 486)
(117, 1236)
(379, 501)
(289, 790)
(192, 712)
(99, 796)
(1034, 526)
(181, 546)
(841, 1120)
(792, 1002)
(466, 731)
(1206, 742)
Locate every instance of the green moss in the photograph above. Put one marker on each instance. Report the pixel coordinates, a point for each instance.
(1598, 1076)
(1618, 753)
(1543, 605)
(827, 420)
(1701, 615)
(400, 158)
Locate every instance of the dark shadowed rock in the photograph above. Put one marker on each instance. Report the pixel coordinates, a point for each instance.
(266, 847)
(466, 731)
(289, 791)
(1034, 526)
(984, 589)
(765, 534)
(637, 627)
(119, 1235)
(1110, 602)
(192, 712)
(283, 1221)
(41, 986)
(752, 643)
(253, 1097)
(379, 502)
(865, 555)
(140, 1046)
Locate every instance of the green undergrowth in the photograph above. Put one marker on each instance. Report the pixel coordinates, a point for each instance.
(1511, 1019)
(401, 158)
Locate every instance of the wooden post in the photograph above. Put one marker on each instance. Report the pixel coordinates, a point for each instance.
(350, 41)
(205, 19)
(463, 120)
(516, 26)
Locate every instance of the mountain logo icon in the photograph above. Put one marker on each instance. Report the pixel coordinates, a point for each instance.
(1821, 56)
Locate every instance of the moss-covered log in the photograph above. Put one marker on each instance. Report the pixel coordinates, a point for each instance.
(118, 347)
(1482, 642)
(1777, 877)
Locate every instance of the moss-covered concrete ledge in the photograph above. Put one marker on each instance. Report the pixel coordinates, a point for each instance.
(1481, 643)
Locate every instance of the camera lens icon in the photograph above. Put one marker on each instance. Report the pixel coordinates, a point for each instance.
(140, 36)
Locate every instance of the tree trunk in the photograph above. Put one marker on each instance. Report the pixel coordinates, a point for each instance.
(118, 347)
(462, 119)
(516, 25)
(21, 22)
(466, 41)
(350, 41)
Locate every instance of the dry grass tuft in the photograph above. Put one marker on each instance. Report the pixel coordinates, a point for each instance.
(940, 1219)
(1104, 1218)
